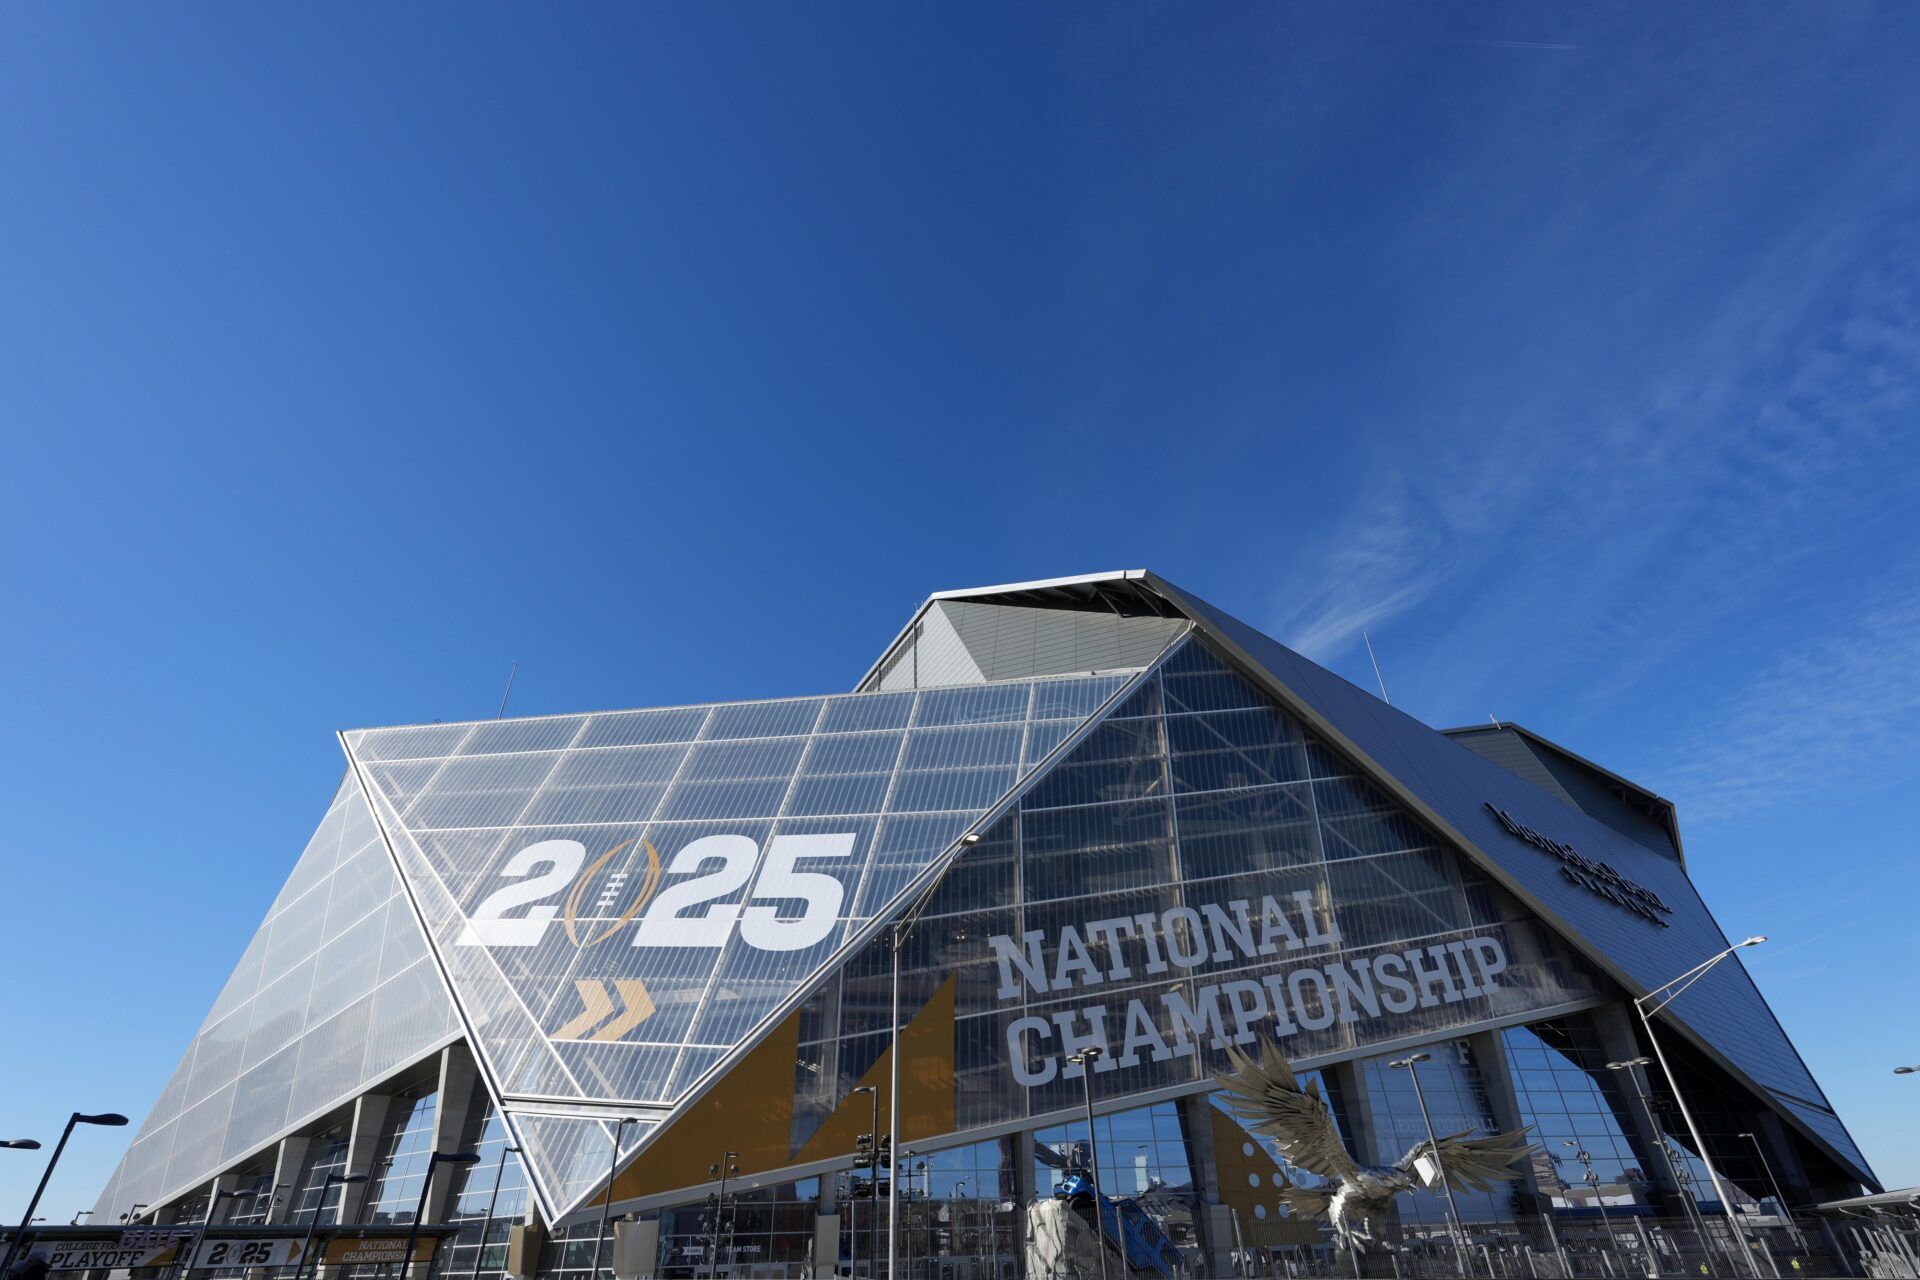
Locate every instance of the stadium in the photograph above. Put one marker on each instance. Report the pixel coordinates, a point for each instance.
(680, 978)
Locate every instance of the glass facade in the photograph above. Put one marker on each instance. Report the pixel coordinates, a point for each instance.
(757, 1230)
(488, 1198)
(315, 1200)
(402, 1152)
(630, 907)
(335, 990)
(1199, 871)
(1574, 1105)
(1456, 1100)
(621, 898)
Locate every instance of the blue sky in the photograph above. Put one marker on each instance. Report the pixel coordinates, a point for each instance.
(348, 356)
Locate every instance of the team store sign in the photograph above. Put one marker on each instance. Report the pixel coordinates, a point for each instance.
(1181, 940)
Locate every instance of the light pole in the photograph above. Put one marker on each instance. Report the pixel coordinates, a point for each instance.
(1581, 1154)
(1906, 1071)
(897, 936)
(959, 1221)
(606, 1206)
(1408, 1065)
(1653, 1002)
(873, 1172)
(332, 1180)
(132, 1214)
(926, 1207)
(1792, 1227)
(1085, 1060)
(84, 1213)
(1687, 1207)
(107, 1118)
(213, 1204)
(20, 1144)
(486, 1226)
(434, 1161)
(721, 1238)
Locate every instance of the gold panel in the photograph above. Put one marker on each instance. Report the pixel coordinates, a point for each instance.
(750, 1111)
(1249, 1182)
(926, 1086)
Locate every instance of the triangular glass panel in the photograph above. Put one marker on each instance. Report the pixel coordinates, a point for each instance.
(620, 899)
(1196, 871)
(1617, 899)
(335, 990)
(576, 1152)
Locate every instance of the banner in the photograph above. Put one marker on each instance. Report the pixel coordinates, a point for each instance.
(115, 1255)
(275, 1251)
(350, 1251)
(162, 1249)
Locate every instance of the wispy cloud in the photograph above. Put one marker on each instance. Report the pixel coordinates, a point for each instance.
(1841, 716)
(1395, 556)
(1616, 485)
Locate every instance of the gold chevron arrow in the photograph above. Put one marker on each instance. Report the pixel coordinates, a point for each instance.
(639, 1007)
(598, 1005)
(636, 1006)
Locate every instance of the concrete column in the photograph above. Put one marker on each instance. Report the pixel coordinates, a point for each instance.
(826, 1243)
(221, 1210)
(288, 1161)
(1783, 1155)
(1490, 1056)
(1215, 1221)
(1618, 1041)
(1362, 1126)
(459, 1078)
(363, 1139)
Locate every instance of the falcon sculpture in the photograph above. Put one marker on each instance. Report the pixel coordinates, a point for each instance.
(1265, 1095)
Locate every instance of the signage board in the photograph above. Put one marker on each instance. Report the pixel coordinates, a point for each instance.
(1597, 878)
(155, 1249)
(348, 1251)
(112, 1255)
(275, 1251)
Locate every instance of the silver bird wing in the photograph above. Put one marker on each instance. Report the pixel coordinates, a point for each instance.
(1473, 1163)
(1265, 1094)
(1304, 1202)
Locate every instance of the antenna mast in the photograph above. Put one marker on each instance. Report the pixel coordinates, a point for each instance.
(1376, 667)
(509, 693)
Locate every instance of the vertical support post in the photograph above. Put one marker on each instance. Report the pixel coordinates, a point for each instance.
(894, 935)
(363, 1137)
(1700, 1146)
(451, 1102)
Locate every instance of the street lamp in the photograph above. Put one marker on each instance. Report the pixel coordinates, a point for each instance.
(1407, 1064)
(486, 1226)
(1085, 1060)
(606, 1206)
(1581, 1154)
(332, 1180)
(20, 1144)
(107, 1118)
(1687, 1206)
(133, 1214)
(1653, 1002)
(84, 1213)
(873, 1134)
(722, 1238)
(1906, 1071)
(1767, 1165)
(897, 937)
(434, 1161)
